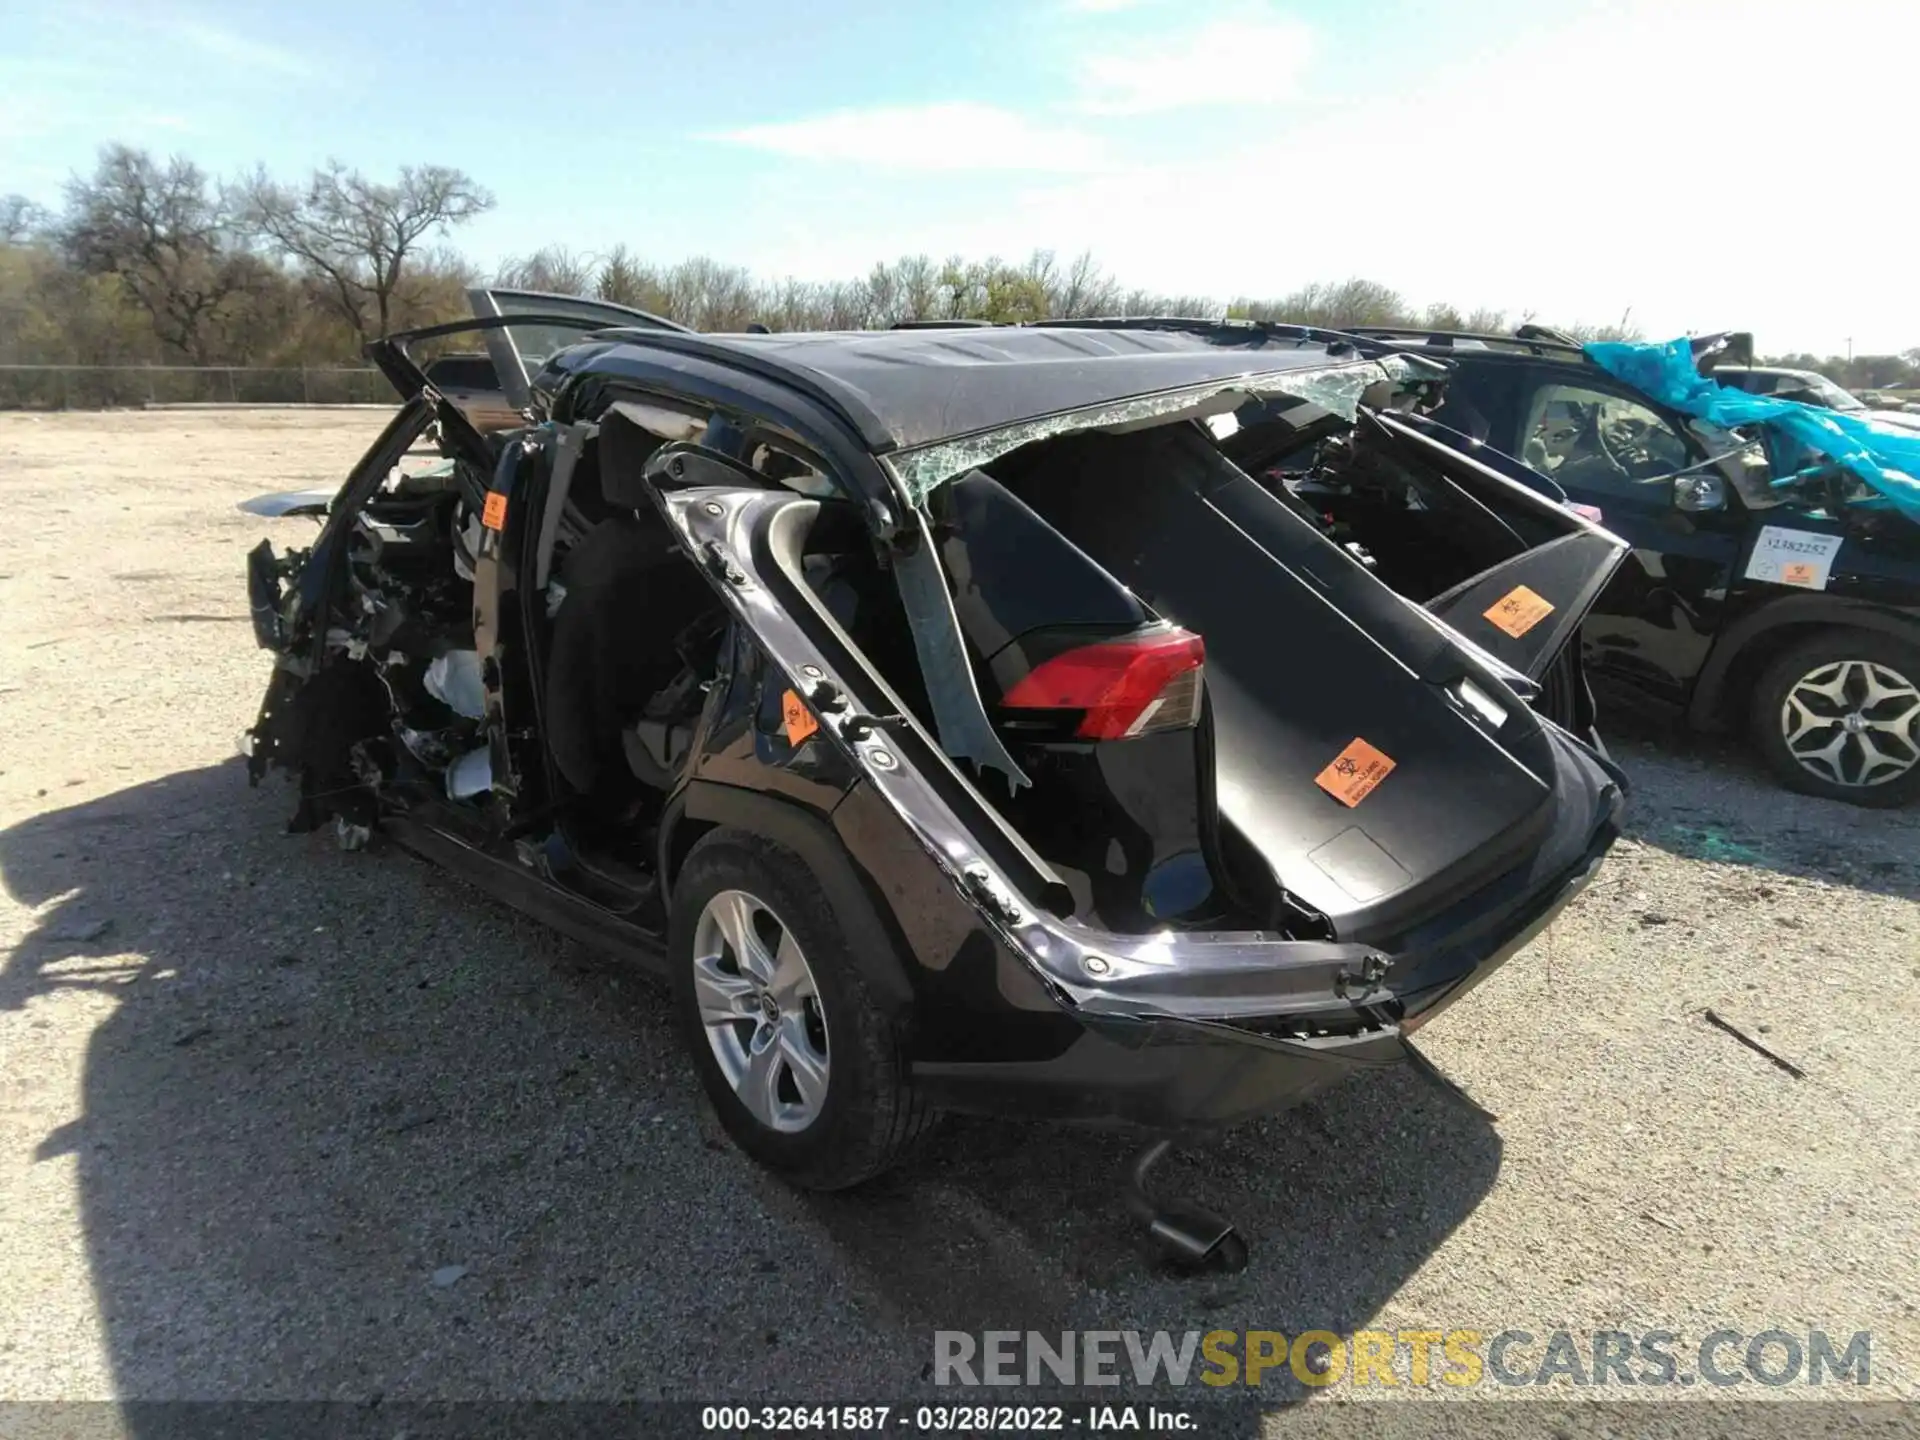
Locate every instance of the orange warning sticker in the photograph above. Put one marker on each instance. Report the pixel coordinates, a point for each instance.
(1519, 610)
(798, 719)
(494, 517)
(1354, 773)
(1799, 572)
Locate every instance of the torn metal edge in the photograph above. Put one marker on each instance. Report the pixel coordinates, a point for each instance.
(1337, 388)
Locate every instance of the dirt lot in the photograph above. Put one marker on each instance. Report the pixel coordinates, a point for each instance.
(259, 1092)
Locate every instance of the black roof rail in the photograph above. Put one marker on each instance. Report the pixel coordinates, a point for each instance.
(941, 325)
(1230, 328)
(1543, 332)
(1536, 341)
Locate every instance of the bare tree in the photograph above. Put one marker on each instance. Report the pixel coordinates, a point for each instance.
(148, 259)
(168, 237)
(708, 295)
(354, 236)
(1585, 333)
(625, 281)
(552, 268)
(917, 280)
(1337, 306)
(20, 220)
(1083, 292)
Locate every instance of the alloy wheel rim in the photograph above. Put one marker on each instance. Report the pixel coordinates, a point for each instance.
(761, 1009)
(1854, 723)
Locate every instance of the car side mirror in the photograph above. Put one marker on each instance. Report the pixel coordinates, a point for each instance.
(1698, 492)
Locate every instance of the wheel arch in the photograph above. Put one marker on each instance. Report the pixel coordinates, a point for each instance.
(703, 807)
(1742, 652)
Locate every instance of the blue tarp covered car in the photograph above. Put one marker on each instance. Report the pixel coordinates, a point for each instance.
(1885, 460)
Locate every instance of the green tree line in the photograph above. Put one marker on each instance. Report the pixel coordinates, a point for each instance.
(151, 261)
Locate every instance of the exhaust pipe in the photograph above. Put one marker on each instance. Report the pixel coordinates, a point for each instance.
(1191, 1237)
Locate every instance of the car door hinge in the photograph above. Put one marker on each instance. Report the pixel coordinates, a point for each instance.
(720, 563)
(856, 726)
(828, 702)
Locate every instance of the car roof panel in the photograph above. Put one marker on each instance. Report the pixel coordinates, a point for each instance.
(907, 388)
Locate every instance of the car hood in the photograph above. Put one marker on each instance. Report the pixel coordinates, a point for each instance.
(1902, 421)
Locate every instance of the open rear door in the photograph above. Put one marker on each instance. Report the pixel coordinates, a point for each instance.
(1525, 610)
(552, 322)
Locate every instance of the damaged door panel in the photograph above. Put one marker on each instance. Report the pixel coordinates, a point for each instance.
(535, 325)
(1525, 611)
(755, 544)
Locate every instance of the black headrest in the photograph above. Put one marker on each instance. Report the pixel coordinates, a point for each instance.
(628, 450)
(624, 449)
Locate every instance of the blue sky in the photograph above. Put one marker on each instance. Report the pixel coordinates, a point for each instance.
(1704, 164)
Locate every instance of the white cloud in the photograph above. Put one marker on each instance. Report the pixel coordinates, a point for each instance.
(956, 135)
(22, 116)
(1634, 158)
(1103, 7)
(242, 50)
(1253, 60)
(1631, 155)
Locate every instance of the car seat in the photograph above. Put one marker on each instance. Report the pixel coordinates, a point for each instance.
(630, 595)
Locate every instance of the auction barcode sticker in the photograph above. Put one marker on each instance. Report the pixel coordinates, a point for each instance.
(1803, 558)
(1354, 773)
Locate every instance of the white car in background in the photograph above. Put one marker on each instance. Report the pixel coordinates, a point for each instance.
(1810, 387)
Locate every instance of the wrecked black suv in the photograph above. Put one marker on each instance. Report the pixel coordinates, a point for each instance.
(949, 716)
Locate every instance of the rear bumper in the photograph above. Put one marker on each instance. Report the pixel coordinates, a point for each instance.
(1164, 1074)
(1181, 1072)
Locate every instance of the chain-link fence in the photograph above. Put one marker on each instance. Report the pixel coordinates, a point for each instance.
(101, 387)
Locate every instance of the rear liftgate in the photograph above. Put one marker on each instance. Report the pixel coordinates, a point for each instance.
(748, 542)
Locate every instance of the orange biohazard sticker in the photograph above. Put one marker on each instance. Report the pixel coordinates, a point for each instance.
(494, 517)
(1799, 572)
(1354, 773)
(1519, 610)
(797, 718)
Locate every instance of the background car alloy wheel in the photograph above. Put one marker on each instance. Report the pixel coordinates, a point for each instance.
(1853, 722)
(761, 1009)
(1839, 715)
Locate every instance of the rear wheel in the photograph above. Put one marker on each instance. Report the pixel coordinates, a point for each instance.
(1839, 715)
(804, 1068)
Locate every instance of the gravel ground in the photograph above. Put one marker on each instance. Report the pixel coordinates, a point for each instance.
(262, 1097)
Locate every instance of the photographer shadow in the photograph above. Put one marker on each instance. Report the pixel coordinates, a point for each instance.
(350, 1131)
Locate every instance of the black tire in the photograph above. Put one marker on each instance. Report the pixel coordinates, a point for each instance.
(1805, 661)
(871, 1116)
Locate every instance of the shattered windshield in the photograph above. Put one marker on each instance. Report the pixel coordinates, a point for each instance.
(1336, 388)
(1830, 394)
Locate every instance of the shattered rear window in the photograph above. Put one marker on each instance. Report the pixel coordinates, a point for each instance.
(1335, 388)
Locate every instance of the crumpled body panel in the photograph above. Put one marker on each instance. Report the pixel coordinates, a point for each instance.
(1337, 388)
(1888, 463)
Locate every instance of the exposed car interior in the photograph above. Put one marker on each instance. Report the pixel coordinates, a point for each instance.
(1588, 438)
(1102, 672)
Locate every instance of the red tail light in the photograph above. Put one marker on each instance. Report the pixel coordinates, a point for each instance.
(1133, 686)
